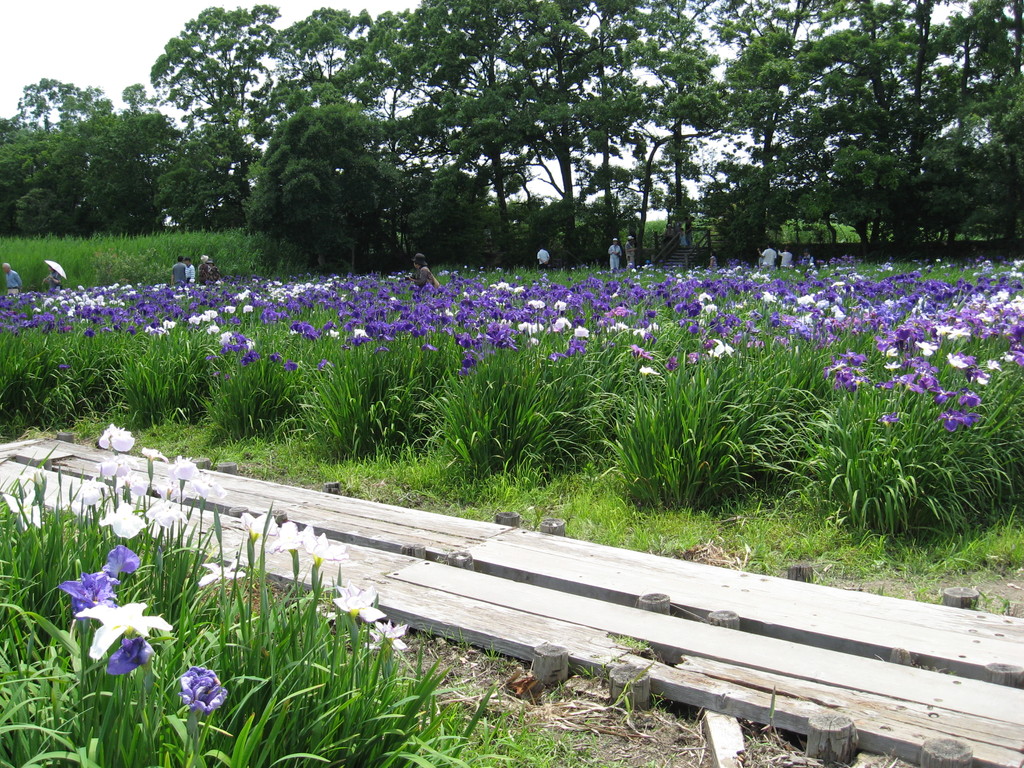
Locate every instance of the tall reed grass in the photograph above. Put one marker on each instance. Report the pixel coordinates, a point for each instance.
(512, 412)
(110, 259)
(365, 401)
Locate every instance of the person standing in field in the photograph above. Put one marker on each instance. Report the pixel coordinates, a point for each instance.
(630, 252)
(190, 271)
(614, 255)
(786, 258)
(13, 280)
(208, 272)
(422, 276)
(178, 271)
(543, 258)
(768, 257)
(53, 281)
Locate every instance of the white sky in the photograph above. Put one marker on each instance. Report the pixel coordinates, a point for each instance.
(111, 44)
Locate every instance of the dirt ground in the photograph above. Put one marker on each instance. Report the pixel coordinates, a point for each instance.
(593, 733)
(596, 734)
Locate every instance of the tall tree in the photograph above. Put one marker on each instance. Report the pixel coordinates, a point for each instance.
(322, 59)
(471, 91)
(218, 72)
(50, 104)
(323, 188)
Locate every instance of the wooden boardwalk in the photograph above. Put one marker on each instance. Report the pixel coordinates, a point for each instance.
(802, 649)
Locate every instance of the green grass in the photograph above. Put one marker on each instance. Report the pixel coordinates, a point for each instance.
(765, 532)
(110, 259)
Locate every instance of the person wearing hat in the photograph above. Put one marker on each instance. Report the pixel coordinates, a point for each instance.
(13, 280)
(423, 276)
(209, 272)
(614, 254)
(630, 252)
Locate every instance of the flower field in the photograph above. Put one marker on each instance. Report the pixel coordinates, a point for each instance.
(887, 395)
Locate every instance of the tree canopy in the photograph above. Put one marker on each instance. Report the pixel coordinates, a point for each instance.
(483, 129)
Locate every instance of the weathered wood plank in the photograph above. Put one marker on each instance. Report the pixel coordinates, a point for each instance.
(725, 738)
(670, 635)
(348, 520)
(964, 643)
(887, 726)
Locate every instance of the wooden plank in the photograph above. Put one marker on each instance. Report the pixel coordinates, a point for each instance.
(887, 726)
(348, 520)
(670, 635)
(895, 725)
(963, 642)
(725, 738)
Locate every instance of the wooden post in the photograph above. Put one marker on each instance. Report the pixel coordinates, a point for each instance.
(831, 738)
(960, 597)
(655, 602)
(553, 525)
(946, 753)
(901, 656)
(461, 560)
(202, 463)
(228, 467)
(1005, 674)
(632, 681)
(333, 487)
(237, 511)
(550, 664)
(66, 437)
(510, 519)
(801, 572)
(414, 550)
(727, 619)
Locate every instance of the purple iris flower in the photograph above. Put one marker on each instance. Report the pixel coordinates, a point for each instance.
(201, 690)
(969, 399)
(889, 418)
(91, 590)
(290, 365)
(953, 420)
(121, 560)
(133, 653)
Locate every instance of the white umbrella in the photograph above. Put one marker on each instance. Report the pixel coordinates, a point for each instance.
(55, 267)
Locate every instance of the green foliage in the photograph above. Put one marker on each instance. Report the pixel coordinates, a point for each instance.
(106, 260)
(363, 402)
(254, 399)
(512, 412)
(913, 475)
(300, 687)
(320, 186)
(165, 379)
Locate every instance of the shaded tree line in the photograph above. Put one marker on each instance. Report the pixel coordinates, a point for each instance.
(479, 128)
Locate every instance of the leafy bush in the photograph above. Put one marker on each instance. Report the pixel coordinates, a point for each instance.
(164, 379)
(911, 474)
